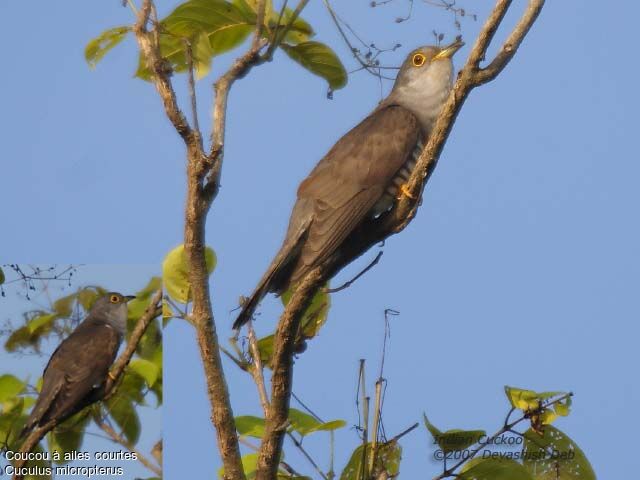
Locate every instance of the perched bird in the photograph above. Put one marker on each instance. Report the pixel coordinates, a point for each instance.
(363, 174)
(81, 362)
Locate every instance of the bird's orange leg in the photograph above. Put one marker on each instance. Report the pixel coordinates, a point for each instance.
(404, 190)
(111, 376)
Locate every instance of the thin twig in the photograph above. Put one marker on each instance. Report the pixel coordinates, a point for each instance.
(306, 455)
(256, 369)
(354, 279)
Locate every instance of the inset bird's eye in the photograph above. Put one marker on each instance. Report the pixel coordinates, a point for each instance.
(419, 59)
(114, 299)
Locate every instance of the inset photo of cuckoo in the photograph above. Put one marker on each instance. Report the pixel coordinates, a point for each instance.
(81, 370)
(363, 174)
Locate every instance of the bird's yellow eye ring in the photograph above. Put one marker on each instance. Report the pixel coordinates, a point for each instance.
(418, 60)
(114, 299)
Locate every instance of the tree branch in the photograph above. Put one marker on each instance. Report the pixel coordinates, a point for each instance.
(375, 230)
(282, 374)
(110, 385)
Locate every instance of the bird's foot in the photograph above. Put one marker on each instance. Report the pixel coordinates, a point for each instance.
(112, 376)
(404, 191)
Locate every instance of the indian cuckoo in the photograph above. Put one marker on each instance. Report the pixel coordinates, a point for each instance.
(80, 364)
(363, 174)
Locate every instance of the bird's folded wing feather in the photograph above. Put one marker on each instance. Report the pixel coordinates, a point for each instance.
(353, 176)
(79, 364)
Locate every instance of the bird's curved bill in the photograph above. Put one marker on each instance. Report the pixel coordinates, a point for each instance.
(449, 50)
(129, 297)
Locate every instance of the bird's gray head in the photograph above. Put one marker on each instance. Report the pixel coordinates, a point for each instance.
(111, 309)
(424, 81)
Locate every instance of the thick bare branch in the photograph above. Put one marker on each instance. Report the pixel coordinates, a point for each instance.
(282, 374)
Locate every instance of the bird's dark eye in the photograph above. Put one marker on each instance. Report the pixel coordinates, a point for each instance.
(418, 60)
(114, 299)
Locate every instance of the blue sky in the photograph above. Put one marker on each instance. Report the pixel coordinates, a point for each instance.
(521, 267)
(126, 279)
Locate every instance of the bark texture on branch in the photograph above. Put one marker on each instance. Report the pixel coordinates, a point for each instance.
(375, 231)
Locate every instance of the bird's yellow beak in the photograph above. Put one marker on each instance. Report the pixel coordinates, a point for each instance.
(449, 50)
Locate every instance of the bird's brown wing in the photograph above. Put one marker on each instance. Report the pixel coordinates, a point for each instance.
(79, 364)
(351, 178)
(337, 194)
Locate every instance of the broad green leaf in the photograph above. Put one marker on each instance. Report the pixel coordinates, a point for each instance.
(250, 426)
(63, 306)
(175, 273)
(320, 60)
(19, 338)
(138, 305)
(12, 420)
(10, 386)
(562, 408)
(132, 387)
(87, 296)
(302, 422)
(146, 369)
(2, 277)
(494, 469)
(527, 399)
(97, 48)
(453, 440)
(265, 347)
(329, 426)
(68, 436)
(554, 456)
(123, 412)
(316, 313)
(223, 24)
(41, 324)
(388, 458)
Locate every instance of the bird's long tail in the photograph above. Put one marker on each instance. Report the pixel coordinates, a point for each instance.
(275, 279)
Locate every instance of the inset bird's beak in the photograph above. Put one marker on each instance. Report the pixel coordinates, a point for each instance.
(449, 50)
(129, 297)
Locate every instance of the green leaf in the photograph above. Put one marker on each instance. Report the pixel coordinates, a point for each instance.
(2, 277)
(562, 408)
(63, 306)
(137, 306)
(388, 458)
(68, 436)
(329, 426)
(146, 369)
(123, 412)
(554, 456)
(11, 421)
(250, 426)
(320, 60)
(494, 469)
(527, 400)
(265, 347)
(97, 48)
(453, 440)
(315, 316)
(302, 422)
(10, 386)
(221, 24)
(41, 324)
(175, 273)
